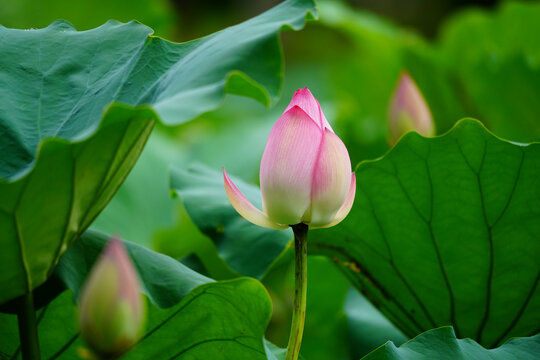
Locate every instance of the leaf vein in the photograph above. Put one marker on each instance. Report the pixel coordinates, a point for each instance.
(392, 262)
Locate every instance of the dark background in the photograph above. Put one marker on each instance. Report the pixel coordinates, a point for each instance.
(182, 20)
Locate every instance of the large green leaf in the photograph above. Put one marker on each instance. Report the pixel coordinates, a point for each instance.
(189, 315)
(446, 231)
(247, 248)
(442, 344)
(63, 157)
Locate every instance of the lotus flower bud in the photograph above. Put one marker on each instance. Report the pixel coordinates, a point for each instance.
(112, 310)
(305, 172)
(408, 110)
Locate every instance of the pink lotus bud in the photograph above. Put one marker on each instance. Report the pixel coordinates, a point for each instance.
(305, 172)
(408, 110)
(112, 310)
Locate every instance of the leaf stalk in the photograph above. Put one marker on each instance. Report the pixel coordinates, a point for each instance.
(28, 334)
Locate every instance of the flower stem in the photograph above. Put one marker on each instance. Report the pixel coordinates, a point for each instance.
(300, 290)
(28, 327)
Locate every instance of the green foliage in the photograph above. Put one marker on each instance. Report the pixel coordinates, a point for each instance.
(440, 230)
(84, 15)
(179, 325)
(151, 217)
(368, 328)
(252, 250)
(483, 65)
(496, 59)
(442, 344)
(443, 231)
(43, 211)
(363, 80)
(165, 281)
(326, 327)
(325, 334)
(52, 121)
(247, 248)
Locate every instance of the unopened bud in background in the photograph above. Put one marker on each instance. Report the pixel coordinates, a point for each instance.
(112, 310)
(408, 110)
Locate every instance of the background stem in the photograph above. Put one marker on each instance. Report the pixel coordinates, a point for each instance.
(28, 327)
(300, 290)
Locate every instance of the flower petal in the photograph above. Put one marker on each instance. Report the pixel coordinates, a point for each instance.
(331, 180)
(245, 208)
(409, 110)
(304, 99)
(287, 166)
(129, 281)
(344, 209)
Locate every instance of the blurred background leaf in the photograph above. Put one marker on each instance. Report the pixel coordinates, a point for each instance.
(248, 249)
(367, 327)
(85, 15)
(496, 59)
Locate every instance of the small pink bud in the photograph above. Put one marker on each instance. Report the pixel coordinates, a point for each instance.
(408, 110)
(305, 171)
(112, 311)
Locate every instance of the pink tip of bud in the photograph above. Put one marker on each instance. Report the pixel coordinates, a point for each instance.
(129, 286)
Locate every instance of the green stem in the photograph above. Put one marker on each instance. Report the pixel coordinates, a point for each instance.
(300, 290)
(28, 327)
